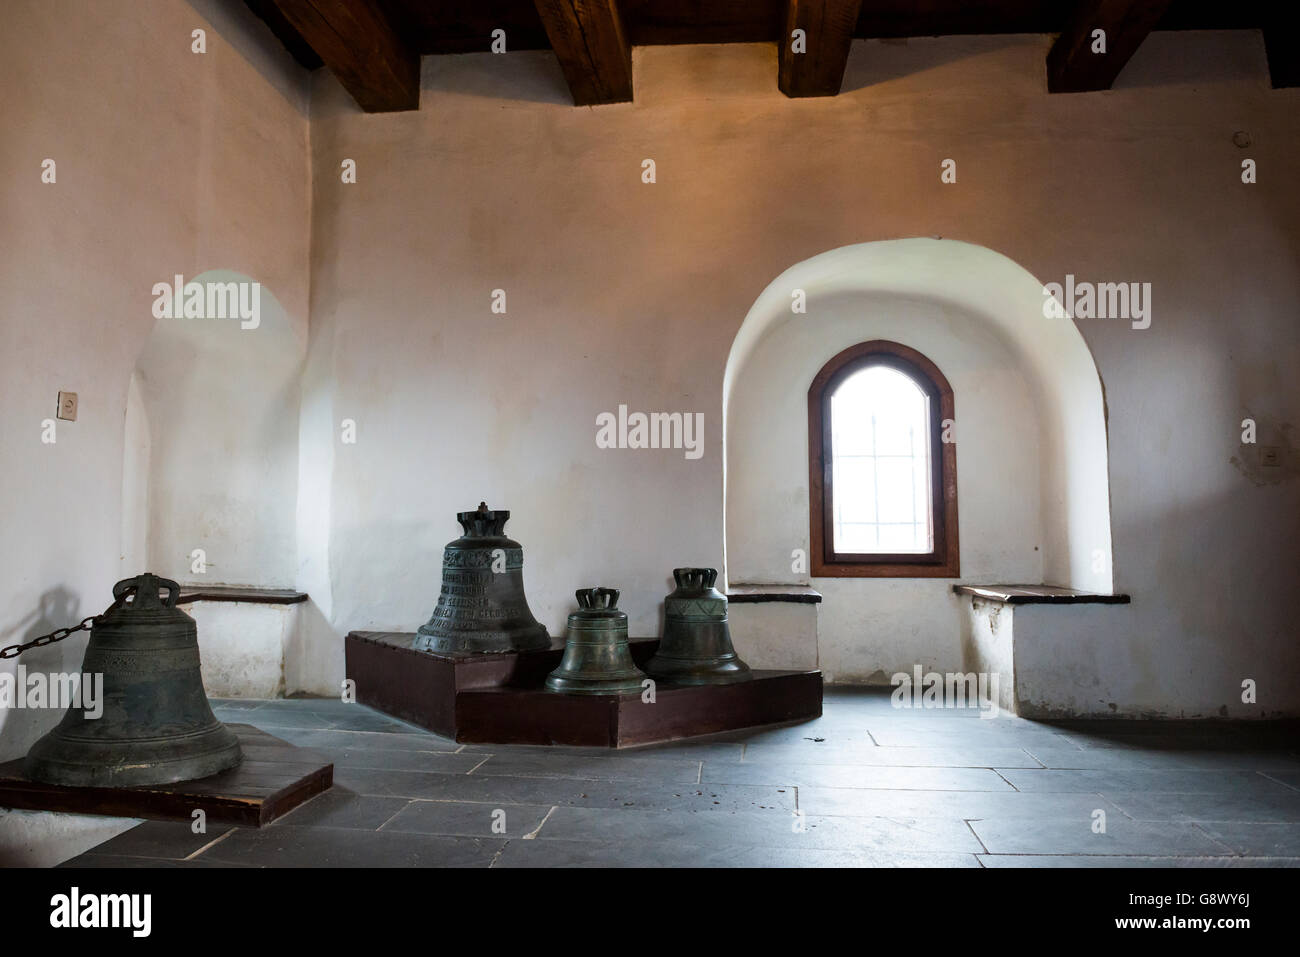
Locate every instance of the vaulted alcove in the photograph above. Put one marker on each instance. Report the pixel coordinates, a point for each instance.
(210, 474)
(1030, 427)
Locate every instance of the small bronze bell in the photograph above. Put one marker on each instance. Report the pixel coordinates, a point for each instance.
(597, 658)
(482, 607)
(156, 726)
(696, 648)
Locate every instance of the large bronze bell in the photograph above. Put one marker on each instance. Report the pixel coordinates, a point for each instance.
(597, 658)
(482, 607)
(696, 648)
(156, 726)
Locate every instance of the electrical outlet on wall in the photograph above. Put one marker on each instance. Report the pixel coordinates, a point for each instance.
(68, 406)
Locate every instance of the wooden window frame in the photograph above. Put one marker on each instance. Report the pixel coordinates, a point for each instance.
(944, 560)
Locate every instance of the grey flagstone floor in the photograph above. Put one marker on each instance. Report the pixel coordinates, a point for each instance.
(866, 784)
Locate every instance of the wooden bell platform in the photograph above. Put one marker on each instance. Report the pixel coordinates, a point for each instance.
(273, 779)
(500, 699)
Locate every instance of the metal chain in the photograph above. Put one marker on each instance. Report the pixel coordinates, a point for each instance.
(13, 651)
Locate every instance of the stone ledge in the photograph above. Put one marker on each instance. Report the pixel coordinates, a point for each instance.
(753, 594)
(257, 596)
(1039, 595)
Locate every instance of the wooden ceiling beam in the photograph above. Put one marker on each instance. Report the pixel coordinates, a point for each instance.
(813, 65)
(1283, 55)
(594, 53)
(1076, 65)
(284, 32)
(355, 40)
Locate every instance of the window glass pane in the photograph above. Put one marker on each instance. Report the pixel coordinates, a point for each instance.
(880, 461)
(857, 537)
(894, 429)
(900, 538)
(896, 503)
(857, 473)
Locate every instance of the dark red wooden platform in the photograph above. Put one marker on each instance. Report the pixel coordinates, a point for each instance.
(273, 779)
(499, 699)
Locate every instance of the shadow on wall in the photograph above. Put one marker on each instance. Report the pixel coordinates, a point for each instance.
(1166, 58)
(58, 607)
(877, 62)
(527, 76)
(251, 38)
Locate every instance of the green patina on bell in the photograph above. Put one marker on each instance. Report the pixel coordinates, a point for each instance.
(696, 648)
(481, 607)
(597, 658)
(156, 726)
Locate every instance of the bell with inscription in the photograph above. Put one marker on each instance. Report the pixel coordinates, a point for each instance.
(482, 608)
(696, 648)
(150, 722)
(597, 658)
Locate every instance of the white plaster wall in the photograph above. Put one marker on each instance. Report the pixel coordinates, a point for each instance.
(136, 468)
(167, 161)
(988, 636)
(779, 635)
(872, 628)
(222, 404)
(243, 646)
(622, 292)
(1074, 660)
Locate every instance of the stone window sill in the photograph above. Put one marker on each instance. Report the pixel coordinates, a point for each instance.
(259, 596)
(753, 594)
(1038, 595)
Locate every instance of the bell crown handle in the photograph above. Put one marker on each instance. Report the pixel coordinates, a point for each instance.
(598, 598)
(695, 579)
(483, 521)
(144, 590)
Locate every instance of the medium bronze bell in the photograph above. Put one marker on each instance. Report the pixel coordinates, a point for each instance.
(696, 648)
(156, 726)
(597, 658)
(482, 607)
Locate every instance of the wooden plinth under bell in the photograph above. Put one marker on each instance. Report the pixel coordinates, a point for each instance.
(273, 779)
(500, 698)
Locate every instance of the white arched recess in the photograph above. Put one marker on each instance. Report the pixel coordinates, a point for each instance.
(211, 476)
(893, 287)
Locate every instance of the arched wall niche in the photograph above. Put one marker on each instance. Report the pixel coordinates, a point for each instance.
(211, 457)
(1031, 438)
(211, 465)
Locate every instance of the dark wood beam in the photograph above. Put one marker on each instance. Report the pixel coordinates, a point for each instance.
(284, 32)
(356, 41)
(588, 37)
(828, 27)
(465, 26)
(1073, 67)
(1283, 56)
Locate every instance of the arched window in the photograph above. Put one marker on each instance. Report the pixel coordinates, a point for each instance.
(882, 480)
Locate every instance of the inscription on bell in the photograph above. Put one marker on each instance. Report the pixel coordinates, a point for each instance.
(481, 606)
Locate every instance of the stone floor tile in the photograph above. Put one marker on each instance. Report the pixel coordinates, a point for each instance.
(1076, 835)
(460, 819)
(289, 846)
